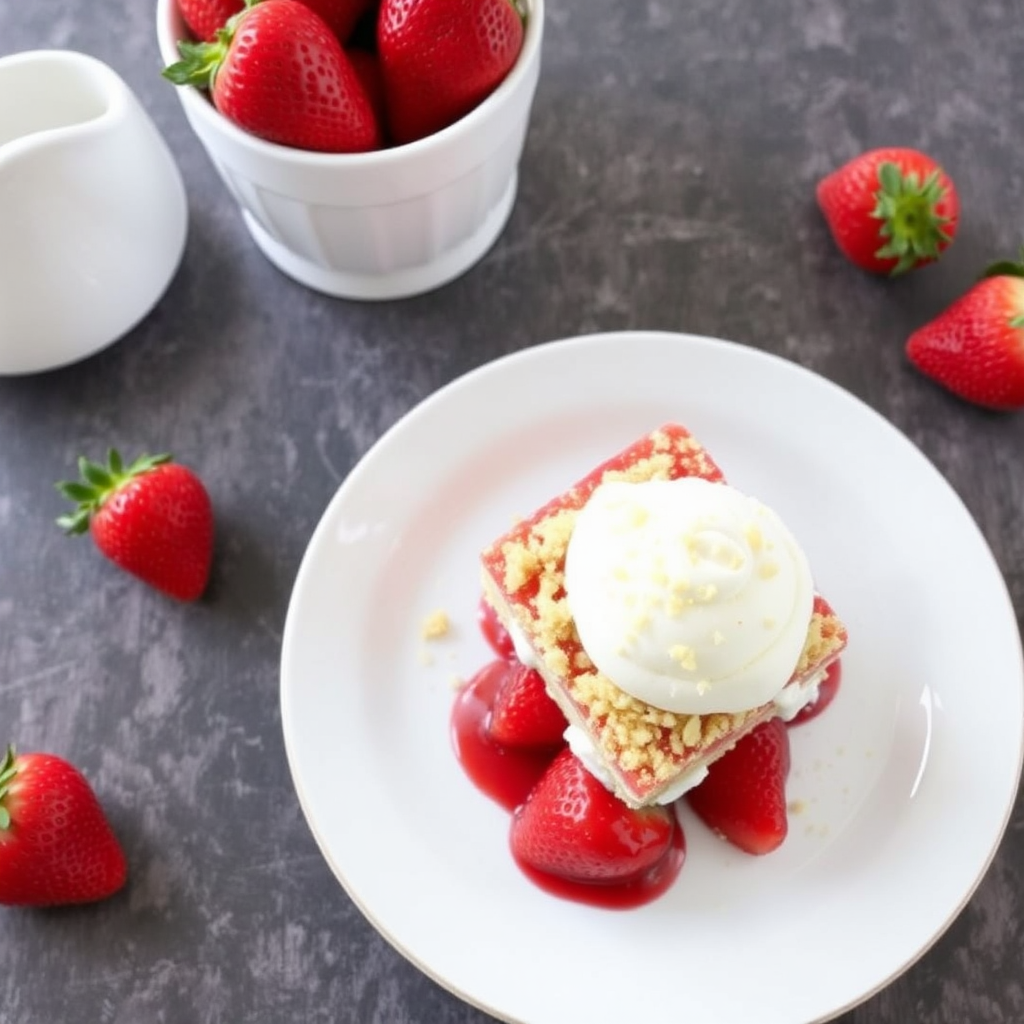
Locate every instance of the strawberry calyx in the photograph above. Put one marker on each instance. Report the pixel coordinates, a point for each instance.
(1008, 268)
(1004, 268)
(201, 61)
(8, 770)
(97, 484)
(908, 208)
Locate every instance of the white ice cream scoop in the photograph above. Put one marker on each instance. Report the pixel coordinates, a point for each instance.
(687, 594)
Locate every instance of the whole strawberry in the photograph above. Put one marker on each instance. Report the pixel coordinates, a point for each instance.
(152, 518)
(743, 798)
(366, 65)
(440, 58)
(572, 827)
(975, 348)
(205, 17)
(340, 16)
(277, 71)
(56, 845)
(890, 210)
(523, 715)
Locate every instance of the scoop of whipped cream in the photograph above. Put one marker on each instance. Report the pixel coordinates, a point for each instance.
(687, 594)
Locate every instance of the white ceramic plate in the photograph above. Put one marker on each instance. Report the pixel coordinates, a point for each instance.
(905, 784)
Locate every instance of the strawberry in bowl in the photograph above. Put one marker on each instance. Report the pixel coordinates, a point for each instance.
(277, 70)
(335, 180)
(205, 17)
(441, 58)
(437, 59)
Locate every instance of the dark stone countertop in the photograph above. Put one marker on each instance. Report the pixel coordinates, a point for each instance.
(667, 183)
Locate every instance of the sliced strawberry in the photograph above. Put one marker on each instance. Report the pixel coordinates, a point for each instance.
(523, 714)
(975, 347)
(743, 798)
(572, 827)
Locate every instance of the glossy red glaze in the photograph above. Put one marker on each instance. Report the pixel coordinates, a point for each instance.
(504, 774)
(496, 635)
(619, 895)
(507, 776)
(826, 694)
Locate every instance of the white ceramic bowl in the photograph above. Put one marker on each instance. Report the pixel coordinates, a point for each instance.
(93, 213)
(377, 225)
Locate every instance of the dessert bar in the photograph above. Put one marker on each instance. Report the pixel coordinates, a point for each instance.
(654, 752)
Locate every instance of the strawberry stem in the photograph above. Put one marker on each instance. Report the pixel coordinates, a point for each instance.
(200, 62)
(97, 484)
(8, 770)
(907, 207)
(1006, 268)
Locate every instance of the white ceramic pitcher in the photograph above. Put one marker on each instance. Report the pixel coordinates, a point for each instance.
(93, 211)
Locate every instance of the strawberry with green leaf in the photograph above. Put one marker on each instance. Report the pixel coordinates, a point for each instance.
(153, 518)
(56, 845)
(890, 210)
(277, 71)
(975, 347)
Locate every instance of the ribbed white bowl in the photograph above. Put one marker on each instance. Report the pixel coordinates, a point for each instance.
(375, 225)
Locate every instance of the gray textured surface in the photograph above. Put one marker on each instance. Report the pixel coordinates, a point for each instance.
(667, 183)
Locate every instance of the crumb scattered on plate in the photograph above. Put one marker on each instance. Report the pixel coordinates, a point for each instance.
(435, 625)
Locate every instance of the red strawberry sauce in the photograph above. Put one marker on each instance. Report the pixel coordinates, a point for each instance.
(494, 632)
(620, 895)
(507, 775)
(826, 694)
